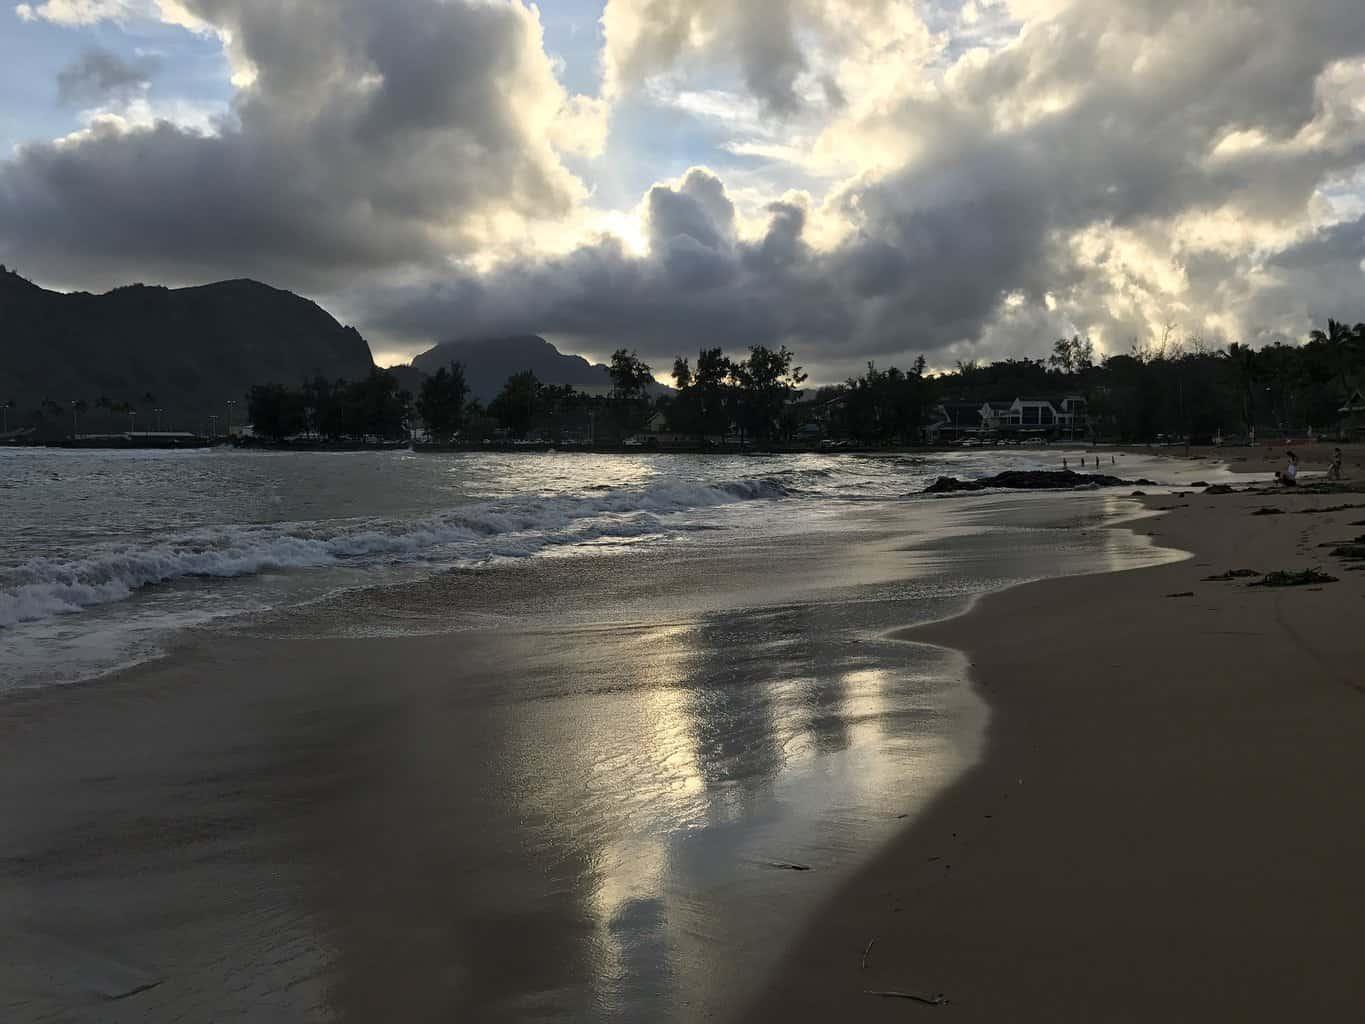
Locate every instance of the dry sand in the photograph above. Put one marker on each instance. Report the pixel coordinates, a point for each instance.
(1169, 823)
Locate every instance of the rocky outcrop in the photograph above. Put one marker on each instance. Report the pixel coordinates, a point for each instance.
(1032, 480)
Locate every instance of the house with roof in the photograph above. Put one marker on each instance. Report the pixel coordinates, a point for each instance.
(1353, 414)
(1067, 414)
(953, 420)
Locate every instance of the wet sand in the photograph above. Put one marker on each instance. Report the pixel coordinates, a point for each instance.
(573, 789)
(1167, 824)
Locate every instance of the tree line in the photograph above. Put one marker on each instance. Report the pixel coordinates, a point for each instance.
(752, 396)
(1180, 389)
(1186, 388)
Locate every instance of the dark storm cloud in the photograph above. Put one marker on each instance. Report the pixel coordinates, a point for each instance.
(375, 135)
(646, 37)
(100, 75)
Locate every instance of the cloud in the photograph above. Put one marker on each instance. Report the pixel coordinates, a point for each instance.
(986, 174)
(647, 37)
(1085, 173)
(81, 12)
(372, 137)
(99, 76)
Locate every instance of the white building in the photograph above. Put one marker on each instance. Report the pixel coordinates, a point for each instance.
(1036, 415)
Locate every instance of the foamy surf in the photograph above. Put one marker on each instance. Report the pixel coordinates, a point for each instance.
(45, 587)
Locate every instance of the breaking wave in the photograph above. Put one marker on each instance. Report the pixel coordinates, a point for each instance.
(518, 528)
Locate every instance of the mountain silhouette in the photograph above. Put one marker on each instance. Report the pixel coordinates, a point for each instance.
(488, 362)
(191, 349)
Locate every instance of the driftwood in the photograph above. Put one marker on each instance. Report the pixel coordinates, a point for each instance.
(870, 944)
(936, 1000)
(1232, 574)
(787, 866)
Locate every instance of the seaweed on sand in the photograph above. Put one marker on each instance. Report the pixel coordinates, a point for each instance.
(1232, 574)
(1289, 578)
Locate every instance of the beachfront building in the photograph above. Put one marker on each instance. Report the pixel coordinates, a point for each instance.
(1059, 415)
(953, 421)
(1066, 415)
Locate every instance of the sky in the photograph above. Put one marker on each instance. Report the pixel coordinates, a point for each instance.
(860, 180)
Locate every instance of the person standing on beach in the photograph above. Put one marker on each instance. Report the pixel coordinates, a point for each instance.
(1334, 470)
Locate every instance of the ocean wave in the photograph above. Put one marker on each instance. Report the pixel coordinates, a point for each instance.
(45, 587)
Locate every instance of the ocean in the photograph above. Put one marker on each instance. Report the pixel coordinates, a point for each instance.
(106, 555)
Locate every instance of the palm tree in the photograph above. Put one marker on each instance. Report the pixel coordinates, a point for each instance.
(1244, 361)
(1339, 342)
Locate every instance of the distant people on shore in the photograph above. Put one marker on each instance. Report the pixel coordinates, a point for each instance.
(1334, 470)
(1065, 467)
(1289, 476)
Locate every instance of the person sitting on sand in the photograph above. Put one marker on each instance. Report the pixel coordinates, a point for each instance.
(1290, 476)
(1334, 470)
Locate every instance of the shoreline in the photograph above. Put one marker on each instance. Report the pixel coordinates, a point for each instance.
(1126, 845)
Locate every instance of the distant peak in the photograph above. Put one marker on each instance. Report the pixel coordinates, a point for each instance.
(13, 279)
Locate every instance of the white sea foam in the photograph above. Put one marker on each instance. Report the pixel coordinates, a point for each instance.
(45, 587)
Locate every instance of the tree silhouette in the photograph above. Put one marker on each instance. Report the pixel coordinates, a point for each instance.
(441, 401)
(517, 404)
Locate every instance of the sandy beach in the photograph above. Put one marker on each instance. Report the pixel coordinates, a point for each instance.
(1166, 825)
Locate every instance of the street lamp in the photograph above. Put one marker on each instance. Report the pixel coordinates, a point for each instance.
(158, 420)
(213, 426)
(229, 419)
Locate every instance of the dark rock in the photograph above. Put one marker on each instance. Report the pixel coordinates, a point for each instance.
(1030, 480)
(1219, 489)
(1138, 494)
(1199, 483)
(1267, 511)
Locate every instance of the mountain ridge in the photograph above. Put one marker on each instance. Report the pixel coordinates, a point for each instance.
(192, 349)
(488, 362)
